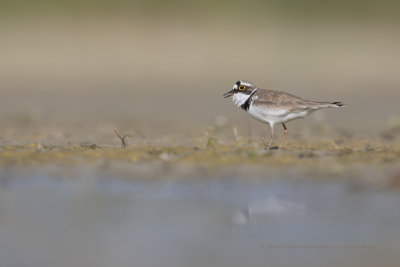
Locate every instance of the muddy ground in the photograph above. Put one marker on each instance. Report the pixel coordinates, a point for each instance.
(66, 84)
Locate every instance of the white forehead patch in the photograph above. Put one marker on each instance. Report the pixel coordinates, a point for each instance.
(246, 83)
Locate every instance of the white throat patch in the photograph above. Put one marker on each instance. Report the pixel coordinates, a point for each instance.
(240, 98)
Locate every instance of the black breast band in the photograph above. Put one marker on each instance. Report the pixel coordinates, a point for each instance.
(246, 104)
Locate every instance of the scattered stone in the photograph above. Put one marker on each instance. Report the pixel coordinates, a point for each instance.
(88, 145)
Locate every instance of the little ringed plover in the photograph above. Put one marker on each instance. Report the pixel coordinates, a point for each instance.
(273, 107)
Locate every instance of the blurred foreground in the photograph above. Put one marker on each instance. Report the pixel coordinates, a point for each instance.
(103, 221)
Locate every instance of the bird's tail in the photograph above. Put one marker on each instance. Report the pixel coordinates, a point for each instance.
(337, 104)
(318, 105)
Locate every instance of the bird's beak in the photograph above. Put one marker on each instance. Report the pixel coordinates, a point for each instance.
(228, 94)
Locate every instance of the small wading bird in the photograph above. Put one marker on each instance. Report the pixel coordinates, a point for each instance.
(273, 107)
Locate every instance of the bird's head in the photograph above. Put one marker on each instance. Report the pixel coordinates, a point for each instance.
(241, 87)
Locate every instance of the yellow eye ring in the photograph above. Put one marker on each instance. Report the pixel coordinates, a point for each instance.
(242, 87)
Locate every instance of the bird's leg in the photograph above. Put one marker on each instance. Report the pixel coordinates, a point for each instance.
(268, 146)
(285, 132)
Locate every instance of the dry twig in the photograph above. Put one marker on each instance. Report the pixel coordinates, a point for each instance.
(124, 144)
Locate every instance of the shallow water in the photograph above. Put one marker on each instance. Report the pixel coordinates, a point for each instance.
(219, 222)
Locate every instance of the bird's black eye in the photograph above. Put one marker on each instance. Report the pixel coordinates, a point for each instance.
(242, 87)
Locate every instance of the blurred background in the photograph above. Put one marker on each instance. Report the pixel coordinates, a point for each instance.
(190, 191)
(70, 66)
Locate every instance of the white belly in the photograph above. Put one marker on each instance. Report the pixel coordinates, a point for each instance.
(274, 116)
